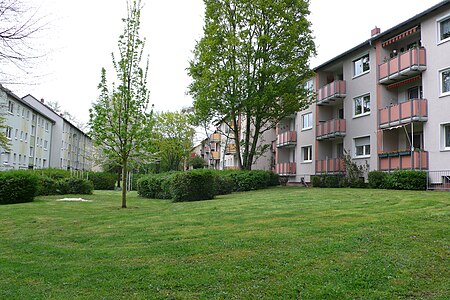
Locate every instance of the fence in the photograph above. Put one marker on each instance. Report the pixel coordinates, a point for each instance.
(438, 180)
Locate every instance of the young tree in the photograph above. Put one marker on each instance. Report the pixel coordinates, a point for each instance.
(173, 139)
(250, 67)
(4, 142)
(119, 120)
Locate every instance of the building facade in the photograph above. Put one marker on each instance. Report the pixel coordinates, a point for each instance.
(385, 102)
(41, 138)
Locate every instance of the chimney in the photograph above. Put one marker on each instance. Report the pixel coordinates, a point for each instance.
(42, 100)
(375, 31)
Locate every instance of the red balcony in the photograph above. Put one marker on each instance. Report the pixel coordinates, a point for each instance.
(286, 139)
(403, 66)
(286, 168)
(331, 165)
(331, 129)
(230, 149)
(331, 92)
(403, 160)
(415, 110)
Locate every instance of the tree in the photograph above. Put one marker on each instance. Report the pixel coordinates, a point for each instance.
(250, 67)
(120, 122)
(197, 162)
(173, 139)
(19, 26)
(4, 142)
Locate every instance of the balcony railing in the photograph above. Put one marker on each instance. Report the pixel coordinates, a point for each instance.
(331, 92)
(331, 129)
(230, 149)
(215, 137)
(401, 160)
(330, 165)
(215, 155)
(286, 168)
(403, 66)
(415, 110)
(288, 138)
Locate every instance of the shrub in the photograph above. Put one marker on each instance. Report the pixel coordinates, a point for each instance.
(193, 186)
(274, 179)
(47, 186)
(407, 180)
(328, 181)
(197, 162)
(75, 186)
(156, 186)
(223, 183)
(377, 179)
(53, 173)
(102, 180)
(17, 187)
(316, 181)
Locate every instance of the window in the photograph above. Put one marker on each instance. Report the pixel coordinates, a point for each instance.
(28, 114)
(8, 132)
(10, 107)
(445, 81)
(307, 121)
(16, 134)
(21, 135)
(23, 112)
(309, 85)
(361, 65)
(415, 93)
(46, 126)
(445, 137)
(444, 29)
(26, 137)
(362, 147)
(18, 110)
(6, 158)
(307, 154)
(362, 105)
(45, 144)
(31, 151)
(33, 130)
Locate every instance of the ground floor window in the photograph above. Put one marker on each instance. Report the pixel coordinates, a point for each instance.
(362, 146)
(307, 154)
(445, 134)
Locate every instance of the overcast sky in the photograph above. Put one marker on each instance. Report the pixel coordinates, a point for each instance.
(83, 33)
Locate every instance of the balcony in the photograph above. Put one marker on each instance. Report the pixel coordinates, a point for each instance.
(331, 129)
(415, 110)
(287, 139)
(403, 66)
(215, 155)
(206, 149)
(331, 165)
(403, 160)
(230, 149)
(215, 137)
(331, 92)
(286, 169)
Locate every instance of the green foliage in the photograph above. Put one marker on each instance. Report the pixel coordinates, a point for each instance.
(223, 183)
(102, 180)
(48, 186)
(197, 162)
(156, 186)
(53, 173)
(251, 54)
(328, 181)
(378, 179)
(119, 121)
(75, 186)
(17, 187)
(4, 142)
(354, 173)
(173, 134)
(193, 186)
(407, 180)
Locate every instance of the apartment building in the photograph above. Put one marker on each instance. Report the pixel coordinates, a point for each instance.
(29, 133)
(40, 137)
(385, 102)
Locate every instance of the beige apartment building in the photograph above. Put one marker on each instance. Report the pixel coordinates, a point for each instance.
(385, 102)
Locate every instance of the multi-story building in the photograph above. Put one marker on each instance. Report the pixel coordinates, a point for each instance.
(385, 102)
(41, 138)
(29, 133)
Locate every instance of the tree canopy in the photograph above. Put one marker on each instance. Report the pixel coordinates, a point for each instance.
(250, 68)
(120, 121)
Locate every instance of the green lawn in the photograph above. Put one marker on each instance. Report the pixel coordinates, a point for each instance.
(282, 243)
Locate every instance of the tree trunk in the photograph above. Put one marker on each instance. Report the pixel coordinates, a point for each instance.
(124, 183)
(118, 177)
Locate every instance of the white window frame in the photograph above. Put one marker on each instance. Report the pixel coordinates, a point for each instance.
(8, 133)
(441, 82)
(361, 142)
(307, 148)
(363, 111)
(308, 117)
(10, 107)
(439, 22)
(361, 58)
(443, 136)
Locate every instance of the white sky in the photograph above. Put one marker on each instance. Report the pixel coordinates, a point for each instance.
(83, 33)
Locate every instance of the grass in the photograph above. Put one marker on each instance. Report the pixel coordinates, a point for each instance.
(281, 243)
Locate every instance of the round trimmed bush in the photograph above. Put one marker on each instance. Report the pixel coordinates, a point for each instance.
(193, 186)
(17, 187)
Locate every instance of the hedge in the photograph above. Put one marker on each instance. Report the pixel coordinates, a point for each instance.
(17, 187)
(75, 186)
(185, 186)
(377, 179)
(407, 180)
(102, 180)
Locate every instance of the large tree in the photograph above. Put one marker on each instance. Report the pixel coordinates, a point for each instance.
(173, 139)
(250, 67)
(120, 121)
